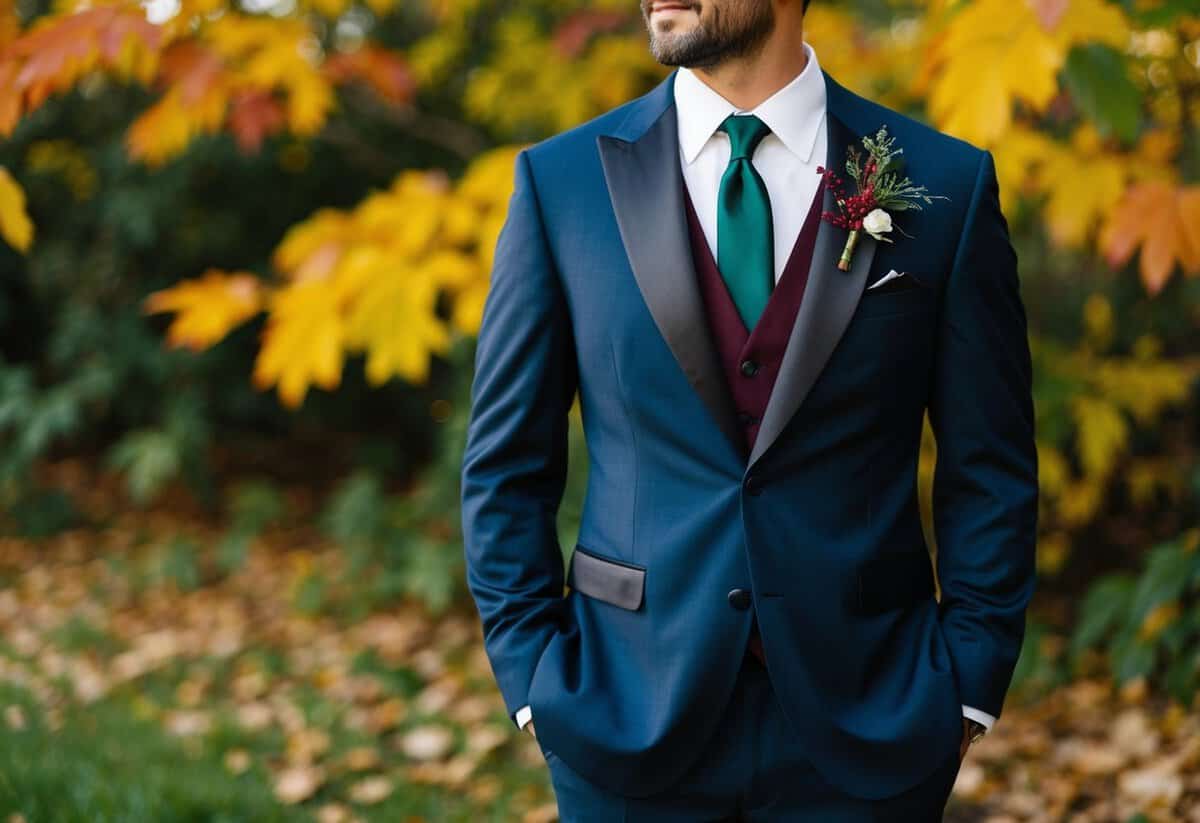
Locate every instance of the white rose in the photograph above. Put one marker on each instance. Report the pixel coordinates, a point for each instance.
(877, 223)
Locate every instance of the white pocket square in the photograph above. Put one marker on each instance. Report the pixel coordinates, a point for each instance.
(891, 275)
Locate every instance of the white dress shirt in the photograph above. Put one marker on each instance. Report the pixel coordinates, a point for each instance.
(786, 160)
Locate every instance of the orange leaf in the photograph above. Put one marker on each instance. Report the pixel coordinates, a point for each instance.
(194, 103)
(10, 97)
(254, 115)
(57, 51)
(574, 33)
(386, 72)
(1163, 220)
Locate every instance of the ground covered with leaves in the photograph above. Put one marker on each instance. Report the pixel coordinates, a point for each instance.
(142, 680)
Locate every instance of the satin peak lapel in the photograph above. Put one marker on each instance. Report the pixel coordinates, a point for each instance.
(645, 183)
(830, 294)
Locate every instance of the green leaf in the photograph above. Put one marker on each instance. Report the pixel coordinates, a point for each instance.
(255, 504)
(1132, 659)
(357, 510)
(179, 564)
(1097, 77)
(150, 458)
(232, 551)
(1183, 677)
(1163, 13)
(1168, 570)
(1105, 606)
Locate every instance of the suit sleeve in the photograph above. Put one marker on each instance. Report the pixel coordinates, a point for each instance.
(985, 491)
(515, 458)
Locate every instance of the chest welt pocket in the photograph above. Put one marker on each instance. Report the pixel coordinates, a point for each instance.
(896, 301)
(613, 581)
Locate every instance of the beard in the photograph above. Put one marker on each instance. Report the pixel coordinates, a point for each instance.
(726, 29)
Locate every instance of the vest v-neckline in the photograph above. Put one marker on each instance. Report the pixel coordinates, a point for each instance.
(790, 268)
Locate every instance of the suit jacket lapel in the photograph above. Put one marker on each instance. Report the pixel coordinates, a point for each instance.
(645, 183)
(640, 158)
(830, 296)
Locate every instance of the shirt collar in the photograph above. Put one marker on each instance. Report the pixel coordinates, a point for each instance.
(793, 113)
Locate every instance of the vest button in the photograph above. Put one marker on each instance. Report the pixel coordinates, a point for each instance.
(746, 418)
(753, 484)
(739, 599)
(749, 368)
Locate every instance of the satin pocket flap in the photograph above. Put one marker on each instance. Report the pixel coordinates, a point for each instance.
(621, 584)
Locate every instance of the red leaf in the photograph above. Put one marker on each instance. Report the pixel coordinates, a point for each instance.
(253, 116)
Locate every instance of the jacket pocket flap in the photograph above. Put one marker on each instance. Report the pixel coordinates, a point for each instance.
(621, 584)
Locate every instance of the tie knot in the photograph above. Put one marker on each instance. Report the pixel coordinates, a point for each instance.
(745, 131)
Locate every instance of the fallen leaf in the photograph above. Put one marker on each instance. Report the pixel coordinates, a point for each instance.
(298, 783)
(427, 742)
(371, 790)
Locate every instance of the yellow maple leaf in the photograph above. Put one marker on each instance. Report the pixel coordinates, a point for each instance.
(15, 225)
(394, 321)
(1146, 388)
(302, 342)
(311, 249)
(1054, 471)
(489, 236)
(166, 128)
(846, 50)
(1102, 433)
(1164, 221)
(488, 181)
(310, 99)
(453, 269)
(467, 312)
(996, 52)
(208, 307)
(408, 217)
(1020, 155)
(267, 54)
(1080, 501)
(1085, 182)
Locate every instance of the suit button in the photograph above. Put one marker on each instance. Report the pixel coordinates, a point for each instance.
(753, 484)
(739, 599)
(749, 368)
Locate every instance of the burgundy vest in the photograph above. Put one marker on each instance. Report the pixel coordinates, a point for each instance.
(750, 360)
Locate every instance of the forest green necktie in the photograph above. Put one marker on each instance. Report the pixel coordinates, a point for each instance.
(745, 245)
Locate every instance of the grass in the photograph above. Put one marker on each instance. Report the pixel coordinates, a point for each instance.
(104, 765)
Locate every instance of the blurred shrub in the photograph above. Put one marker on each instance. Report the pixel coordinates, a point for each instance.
(1147, 624)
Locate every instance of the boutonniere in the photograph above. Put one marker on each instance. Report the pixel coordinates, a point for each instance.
(881, 191)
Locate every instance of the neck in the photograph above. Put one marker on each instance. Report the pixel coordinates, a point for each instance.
(748, 80)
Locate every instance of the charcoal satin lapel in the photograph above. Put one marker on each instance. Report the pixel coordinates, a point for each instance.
(830, 295)
(645, 183)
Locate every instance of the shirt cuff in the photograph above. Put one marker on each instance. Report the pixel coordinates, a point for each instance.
(524, 714)
(975, 714)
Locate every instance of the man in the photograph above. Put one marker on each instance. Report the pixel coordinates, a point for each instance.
(750, 630)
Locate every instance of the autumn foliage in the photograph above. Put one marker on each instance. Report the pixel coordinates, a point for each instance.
(1091, 108)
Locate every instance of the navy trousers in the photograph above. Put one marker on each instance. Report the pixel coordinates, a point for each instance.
(751, 772)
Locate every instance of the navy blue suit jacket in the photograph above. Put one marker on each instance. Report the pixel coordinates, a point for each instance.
(593, 291)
